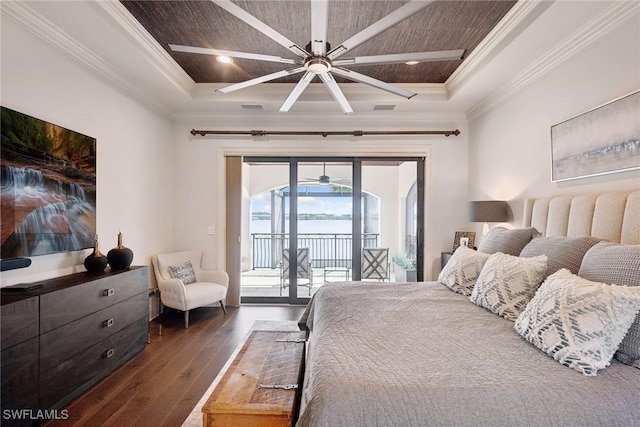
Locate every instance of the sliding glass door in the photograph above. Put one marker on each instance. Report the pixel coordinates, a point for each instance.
(311, 221)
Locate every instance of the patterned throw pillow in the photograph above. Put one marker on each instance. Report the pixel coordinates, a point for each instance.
(561, 252)
(620, 264)
(508, 242)
(507, 283)
(578, 322)
(184, 272)
(462, 270)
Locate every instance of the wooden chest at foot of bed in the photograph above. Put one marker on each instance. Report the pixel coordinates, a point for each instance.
(262, 385)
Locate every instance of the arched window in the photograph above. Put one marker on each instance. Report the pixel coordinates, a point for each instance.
(411, 222)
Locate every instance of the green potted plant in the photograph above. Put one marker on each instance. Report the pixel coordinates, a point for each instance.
(405, 268)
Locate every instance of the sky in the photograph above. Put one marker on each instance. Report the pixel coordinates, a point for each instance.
(307, 204)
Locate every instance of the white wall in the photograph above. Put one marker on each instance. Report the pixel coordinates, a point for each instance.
(510, 147)
(163, 188)
(245, 259)
(134, 149)
(447, 179)
(201, 183)
(382, 181)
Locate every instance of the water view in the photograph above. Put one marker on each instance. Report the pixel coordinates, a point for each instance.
(311, 226)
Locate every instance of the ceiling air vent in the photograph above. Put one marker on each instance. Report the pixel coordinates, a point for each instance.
(384, 107)
(252, 106)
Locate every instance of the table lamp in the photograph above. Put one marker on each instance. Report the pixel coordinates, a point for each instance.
(488, 211)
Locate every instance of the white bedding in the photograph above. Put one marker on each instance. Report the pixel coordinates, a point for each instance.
(418, 354)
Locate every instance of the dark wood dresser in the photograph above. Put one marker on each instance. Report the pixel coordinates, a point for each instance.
(60, 339)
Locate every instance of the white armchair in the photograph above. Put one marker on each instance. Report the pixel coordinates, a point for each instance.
(210, 286)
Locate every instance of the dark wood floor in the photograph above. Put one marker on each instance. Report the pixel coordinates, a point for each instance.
(161, 385)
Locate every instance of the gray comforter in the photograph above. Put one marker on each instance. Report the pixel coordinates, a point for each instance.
(418, 354)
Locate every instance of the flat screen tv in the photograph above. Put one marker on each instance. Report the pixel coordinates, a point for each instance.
(48, 187)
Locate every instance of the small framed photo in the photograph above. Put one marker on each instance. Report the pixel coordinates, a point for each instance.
(464, 238)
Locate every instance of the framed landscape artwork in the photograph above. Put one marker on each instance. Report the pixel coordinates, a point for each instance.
(48, 187)
(603, 140)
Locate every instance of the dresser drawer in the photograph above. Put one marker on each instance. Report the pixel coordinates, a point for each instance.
(66, 305)
(64, 382)
(19, 321)
(60, 344)
(20, 376)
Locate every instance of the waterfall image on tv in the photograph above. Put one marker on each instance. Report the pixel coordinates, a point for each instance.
(48, 187)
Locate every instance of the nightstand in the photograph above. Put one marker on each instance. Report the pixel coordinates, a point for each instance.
(444, 258)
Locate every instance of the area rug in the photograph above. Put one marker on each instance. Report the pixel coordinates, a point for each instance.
(195, 417)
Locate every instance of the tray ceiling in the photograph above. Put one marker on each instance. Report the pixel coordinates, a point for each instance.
(443, 25)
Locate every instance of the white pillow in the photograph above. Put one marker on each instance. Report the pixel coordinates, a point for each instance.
(620, 264)
(183, 272)
(578, 322)
(462, 270)
(507, 283)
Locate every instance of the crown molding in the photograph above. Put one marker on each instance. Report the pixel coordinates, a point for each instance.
(514, 22)
(309, 121)
(587, 34)
(152, 50)
(348, 147)
(169, 68)
(271, 91)
(51, 34)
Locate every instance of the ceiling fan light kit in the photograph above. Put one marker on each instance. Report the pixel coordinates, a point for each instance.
(318, 65)
(318, 59)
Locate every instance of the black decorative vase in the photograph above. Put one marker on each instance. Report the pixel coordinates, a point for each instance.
(120, 257)
(96, 262)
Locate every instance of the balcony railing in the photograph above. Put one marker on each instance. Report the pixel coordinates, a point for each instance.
(326, 250)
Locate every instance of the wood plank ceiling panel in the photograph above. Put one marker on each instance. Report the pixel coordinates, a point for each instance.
(442, 25)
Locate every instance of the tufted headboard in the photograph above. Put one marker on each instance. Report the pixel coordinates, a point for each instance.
(611, 216)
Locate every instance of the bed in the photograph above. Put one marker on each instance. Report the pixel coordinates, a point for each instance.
(416, 354)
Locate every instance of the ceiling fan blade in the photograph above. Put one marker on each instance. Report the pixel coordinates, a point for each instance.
(245, 16)
(361, 78)
(297, 91)
(319, 14)
(262, 79)
(376, 28)
(232, 54)
(441, 55)
(335, 91)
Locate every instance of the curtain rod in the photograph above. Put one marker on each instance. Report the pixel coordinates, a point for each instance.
(324, 134)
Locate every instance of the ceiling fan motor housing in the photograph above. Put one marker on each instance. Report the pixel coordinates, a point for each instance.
(318, 65)
(327, 46)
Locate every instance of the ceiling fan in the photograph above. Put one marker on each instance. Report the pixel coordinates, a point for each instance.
(324, 178)
(318, 59)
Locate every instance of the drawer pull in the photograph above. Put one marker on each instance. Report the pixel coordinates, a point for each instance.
(108, 323)
(108, 292)
(108, 353)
